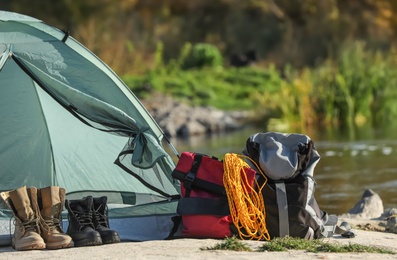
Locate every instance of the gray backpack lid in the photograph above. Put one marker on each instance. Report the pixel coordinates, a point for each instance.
(279, 154)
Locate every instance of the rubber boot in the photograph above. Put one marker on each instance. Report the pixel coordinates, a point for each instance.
(101, 221)
(81, 228)
(27, 230)
(49, 203)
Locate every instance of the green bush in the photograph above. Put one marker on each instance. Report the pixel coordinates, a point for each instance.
(226, 89)
(203, 55)
(356, 87)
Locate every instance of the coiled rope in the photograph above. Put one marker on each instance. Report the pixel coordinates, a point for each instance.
(247, 207)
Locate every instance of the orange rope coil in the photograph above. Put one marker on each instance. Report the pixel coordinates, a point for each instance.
(247, 207)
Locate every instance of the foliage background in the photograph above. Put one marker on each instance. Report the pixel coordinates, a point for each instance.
(328, 62)
(125, 33)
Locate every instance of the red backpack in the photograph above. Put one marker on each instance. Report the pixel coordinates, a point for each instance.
(204, 205)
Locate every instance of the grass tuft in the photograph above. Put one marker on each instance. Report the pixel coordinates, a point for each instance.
(230, 243)
(315, 246)
(290, 243)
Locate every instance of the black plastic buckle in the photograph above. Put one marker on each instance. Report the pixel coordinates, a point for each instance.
(189, 180)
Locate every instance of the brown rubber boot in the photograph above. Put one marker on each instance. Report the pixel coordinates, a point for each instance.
(27, 231)
(49, 203)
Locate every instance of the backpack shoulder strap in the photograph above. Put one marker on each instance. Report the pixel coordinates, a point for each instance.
(282, 203)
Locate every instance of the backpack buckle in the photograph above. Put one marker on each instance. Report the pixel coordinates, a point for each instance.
(189, 180)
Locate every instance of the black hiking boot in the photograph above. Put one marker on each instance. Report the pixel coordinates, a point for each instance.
(81, 228)
(101, 221)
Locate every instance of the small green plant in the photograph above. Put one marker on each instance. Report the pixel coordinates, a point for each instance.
(315, 246)
(204, 55)
(230, 243)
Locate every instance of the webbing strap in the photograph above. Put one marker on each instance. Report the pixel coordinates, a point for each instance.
(282, 203)
(203, 206)
(329, 228)
(309, 234)
(192, 174)
(199, 183)
(196, 163)
(329, 231)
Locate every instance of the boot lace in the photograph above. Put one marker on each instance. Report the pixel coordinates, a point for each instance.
(84, 219)
(101, 219)
(52, 224)
(31, 224)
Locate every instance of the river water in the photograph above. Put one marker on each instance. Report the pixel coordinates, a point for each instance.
(350, 163)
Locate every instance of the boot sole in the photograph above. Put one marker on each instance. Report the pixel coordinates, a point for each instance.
(29, 247)
(88, 242)
(110, 240)
(59, 246)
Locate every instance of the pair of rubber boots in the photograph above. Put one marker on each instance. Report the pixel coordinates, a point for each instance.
(89, 222)
(37, 214)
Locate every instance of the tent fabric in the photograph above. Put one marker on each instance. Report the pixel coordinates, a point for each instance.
(67, 119)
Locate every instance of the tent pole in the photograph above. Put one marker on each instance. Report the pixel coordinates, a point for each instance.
(170, 144)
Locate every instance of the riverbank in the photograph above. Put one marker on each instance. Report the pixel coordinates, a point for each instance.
(177, 119)
(193, 249)
(371, 225)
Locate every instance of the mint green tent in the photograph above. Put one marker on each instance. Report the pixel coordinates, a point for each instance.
(67, 119)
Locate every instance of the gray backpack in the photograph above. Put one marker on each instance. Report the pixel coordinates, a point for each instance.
(288, 161)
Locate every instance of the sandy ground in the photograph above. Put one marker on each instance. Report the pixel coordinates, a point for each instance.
(192, 249)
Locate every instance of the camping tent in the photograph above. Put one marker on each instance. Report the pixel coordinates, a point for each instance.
(67, 119)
